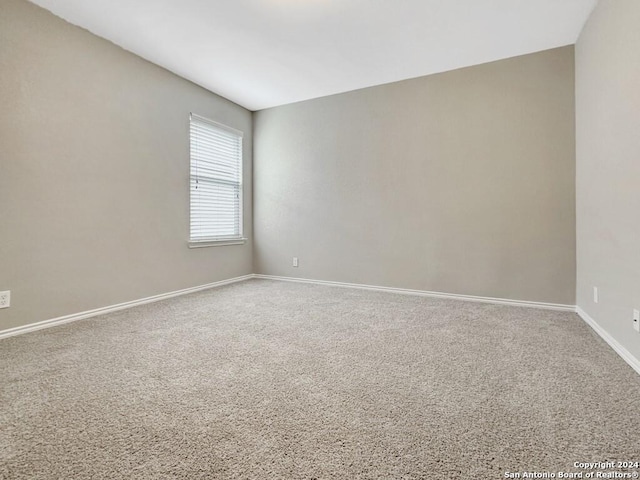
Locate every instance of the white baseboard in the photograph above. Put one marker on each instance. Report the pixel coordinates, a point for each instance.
(613, 343)
(626, 355)
(424, 293)
(114, 308)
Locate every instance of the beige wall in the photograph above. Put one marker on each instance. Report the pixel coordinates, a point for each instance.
(94, 197)
(608, 167)
(461, 182)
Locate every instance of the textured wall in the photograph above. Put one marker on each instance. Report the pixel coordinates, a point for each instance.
(461, 182)
(94, 155)
(608, 167)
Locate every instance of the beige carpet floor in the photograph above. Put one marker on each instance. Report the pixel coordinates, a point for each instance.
(276, 380)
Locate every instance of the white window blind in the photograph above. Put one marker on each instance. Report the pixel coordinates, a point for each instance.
(216, 181)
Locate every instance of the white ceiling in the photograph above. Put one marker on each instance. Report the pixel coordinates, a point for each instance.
(263, 53)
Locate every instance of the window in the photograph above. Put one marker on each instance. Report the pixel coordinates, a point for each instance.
(216, 183)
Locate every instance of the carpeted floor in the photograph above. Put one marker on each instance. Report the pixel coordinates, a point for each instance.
(276, 380)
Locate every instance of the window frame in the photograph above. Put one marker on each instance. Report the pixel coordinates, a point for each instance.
(239, 239)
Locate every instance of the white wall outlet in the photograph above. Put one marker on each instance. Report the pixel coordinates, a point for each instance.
(5, 299)
(295, 261)
(636, 320)
(595, 294)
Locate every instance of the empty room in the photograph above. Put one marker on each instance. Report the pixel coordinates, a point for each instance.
(319, 239)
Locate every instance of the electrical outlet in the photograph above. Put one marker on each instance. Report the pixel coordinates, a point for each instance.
(595, 294)
(636, 320)
(295, 261)
(5, 299)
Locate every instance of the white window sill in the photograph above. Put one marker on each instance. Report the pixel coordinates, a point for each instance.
(217, 243)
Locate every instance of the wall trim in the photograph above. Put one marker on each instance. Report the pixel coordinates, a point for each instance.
(32, 327)
(626, 355)
(425, 293)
